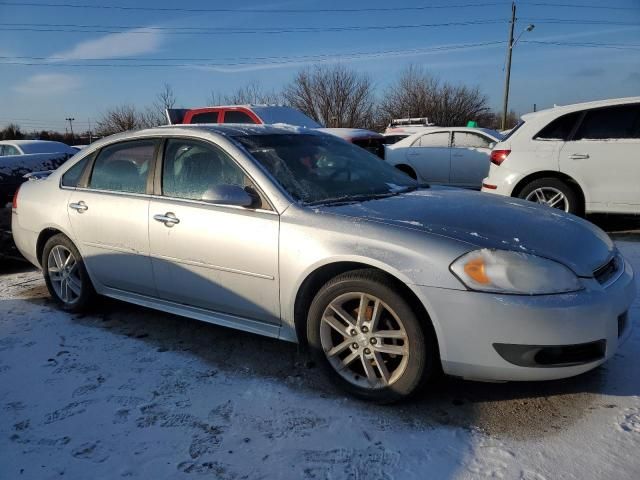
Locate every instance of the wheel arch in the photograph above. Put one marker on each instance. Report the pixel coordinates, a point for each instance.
(43, 237)
(408, 169)
(572, 182)
(315, 279)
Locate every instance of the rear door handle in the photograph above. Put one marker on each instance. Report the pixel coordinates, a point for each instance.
(80, 207)
(169, 219)
(579, 156)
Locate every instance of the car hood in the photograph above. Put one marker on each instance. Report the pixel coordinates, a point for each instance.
(490, 221)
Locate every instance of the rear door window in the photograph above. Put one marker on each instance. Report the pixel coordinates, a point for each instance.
(560, 128)
(610, 123)
(470, 140)
(123, 167)
(439, 139)
(205, 117)
(236, 116)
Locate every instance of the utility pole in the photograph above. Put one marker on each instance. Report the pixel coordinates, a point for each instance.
(90, 133)
(505, 105)
(70, 120)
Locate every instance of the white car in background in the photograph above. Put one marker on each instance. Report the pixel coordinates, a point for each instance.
(457, 156)
(29, 147)
(579, 158)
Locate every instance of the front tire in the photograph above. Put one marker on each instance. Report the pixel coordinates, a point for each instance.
(553, 193)
(368, 339)
(65, 274)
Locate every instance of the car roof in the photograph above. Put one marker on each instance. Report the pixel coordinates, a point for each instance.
(561, 109)
(29, 142)
(240, 129)
(487, 131)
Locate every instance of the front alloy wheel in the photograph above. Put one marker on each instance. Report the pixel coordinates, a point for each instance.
(364, 340)
(366, 335)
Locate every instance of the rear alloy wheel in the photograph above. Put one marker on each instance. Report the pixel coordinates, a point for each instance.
(65, 275)
(368, 338)
(553, 193)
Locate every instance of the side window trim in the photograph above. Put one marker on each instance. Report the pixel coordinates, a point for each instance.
(576, 126)
(267, 205)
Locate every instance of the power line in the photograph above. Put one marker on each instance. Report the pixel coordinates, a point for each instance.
(252, 10)
(578, 5)
(241, 31)
(617, 46)
(276, 57)
(249, 62)
(571, 21)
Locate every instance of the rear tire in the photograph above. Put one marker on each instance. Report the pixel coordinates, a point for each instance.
(383, 354)
(65, 274)
(554, 193)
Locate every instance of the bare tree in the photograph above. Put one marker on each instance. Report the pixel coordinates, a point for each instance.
(418, 94)
(251, 93)
(11, 132)
(119, 119)
(333, 95)
(154, 114)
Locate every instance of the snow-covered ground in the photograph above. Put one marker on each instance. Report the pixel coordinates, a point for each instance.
(129, 392)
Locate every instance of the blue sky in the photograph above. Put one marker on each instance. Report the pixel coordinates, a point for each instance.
(41, 96)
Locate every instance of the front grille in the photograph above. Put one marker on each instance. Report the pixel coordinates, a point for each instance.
(607, 271)
(622, 323)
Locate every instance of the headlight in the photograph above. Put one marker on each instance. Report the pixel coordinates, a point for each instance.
(504, 271)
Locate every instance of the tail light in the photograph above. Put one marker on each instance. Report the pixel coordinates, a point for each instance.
(14, 203)
(499, 156)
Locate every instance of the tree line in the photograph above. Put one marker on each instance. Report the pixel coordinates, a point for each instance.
(335, 96)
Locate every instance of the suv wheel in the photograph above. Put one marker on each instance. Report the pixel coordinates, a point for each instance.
(368, 338)
(65, 275)
(553, 193)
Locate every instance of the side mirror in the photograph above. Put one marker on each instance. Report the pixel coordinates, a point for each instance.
(229, 195)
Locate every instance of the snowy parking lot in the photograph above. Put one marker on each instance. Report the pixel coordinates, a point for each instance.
(130, 392)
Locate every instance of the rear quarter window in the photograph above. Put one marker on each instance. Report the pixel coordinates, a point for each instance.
(72, 176)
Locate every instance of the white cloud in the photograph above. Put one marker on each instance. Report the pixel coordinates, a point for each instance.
(126, 44)
(48, 83)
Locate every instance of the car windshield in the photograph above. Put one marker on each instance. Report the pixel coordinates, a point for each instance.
(318, 169)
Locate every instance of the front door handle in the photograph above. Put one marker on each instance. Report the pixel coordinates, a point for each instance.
(579, 156)
(80, 207)
(169, 219)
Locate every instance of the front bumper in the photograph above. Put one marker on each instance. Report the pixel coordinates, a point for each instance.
(469, 324)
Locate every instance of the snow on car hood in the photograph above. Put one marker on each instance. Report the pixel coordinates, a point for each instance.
(490, 221)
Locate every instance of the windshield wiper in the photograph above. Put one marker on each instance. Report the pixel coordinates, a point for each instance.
(345, 199)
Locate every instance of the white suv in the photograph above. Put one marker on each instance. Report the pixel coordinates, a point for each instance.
(580, 158)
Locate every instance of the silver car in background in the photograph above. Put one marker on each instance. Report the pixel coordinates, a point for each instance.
(301, 236)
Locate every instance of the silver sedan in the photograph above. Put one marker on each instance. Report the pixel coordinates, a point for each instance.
(301, 236)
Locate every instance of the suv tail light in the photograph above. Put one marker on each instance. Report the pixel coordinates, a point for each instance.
(14, 203)
(499, 156)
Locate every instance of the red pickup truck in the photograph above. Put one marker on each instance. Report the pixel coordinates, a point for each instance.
(273, 114)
